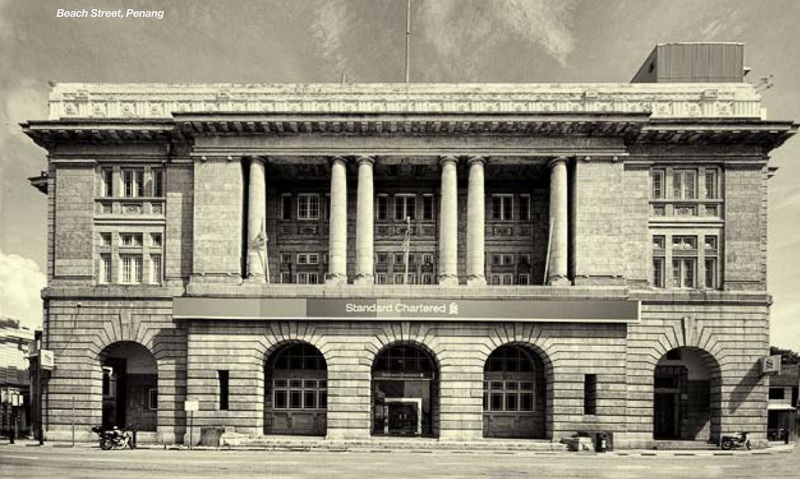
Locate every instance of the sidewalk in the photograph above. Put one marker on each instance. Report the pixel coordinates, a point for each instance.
(342, 447)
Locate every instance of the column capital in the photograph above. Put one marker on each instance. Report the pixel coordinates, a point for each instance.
(365, 159)
(476, 159)
(256, 159)
(447, 159)
(555, 161)
(338, 159)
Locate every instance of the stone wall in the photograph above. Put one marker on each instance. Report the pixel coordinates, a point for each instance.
(74, 216)
(79, 331)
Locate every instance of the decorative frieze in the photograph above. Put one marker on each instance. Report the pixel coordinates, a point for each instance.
(72, 100)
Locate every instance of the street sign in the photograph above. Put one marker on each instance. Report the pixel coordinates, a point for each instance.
(771, 364)
(48, 359)
(189, 406)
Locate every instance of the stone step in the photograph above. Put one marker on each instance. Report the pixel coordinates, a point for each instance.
(685, 445)
(294, 443)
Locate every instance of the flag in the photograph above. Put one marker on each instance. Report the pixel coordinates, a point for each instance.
(407, 237)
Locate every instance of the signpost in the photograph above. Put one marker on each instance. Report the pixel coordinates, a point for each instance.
(771, 364)
(191, 407)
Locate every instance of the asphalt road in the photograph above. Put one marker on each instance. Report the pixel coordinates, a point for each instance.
(85, 463)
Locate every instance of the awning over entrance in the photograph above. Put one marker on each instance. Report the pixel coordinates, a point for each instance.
(597, 311)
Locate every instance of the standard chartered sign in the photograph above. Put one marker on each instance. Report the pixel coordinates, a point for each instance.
(604, 311)
(403, 308)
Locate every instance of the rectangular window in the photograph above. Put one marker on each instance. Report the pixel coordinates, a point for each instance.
(659, 242)
(131, 239)
(502, 207)
(508, 279)
(105, 239)
(427, 258)
(684, 184)
(405, 207)
(777, 393)
(412, 278)
(286, 258)
(224, 389)
(152, 399)
(383, 257)
(590, 395)
(684, 242)
(107, 182)
(286, 206)
(158, 182)
(131, 269)
(524, 207)
(712, 192)
(155, 269)
(398, 278)
(427, 207)
(427, 278)
(399, 258)
(683, 272)
(307, 278)
(155, 240)
(133, 183)
(308, 206)
(711, 273)
(307, 258)
(658, 184)
(525, 259)
(658, 272)
(383, 208)
(495, 280)
(104, 273)
(286, 277)
(710, 243)
(380, 278)
(524, 279)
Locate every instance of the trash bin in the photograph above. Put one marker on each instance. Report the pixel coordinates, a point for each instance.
(601, 442)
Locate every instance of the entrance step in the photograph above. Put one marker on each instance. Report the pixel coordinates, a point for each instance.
(685, 445)
(387, 444)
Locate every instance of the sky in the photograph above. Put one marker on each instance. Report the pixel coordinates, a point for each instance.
(263, 41)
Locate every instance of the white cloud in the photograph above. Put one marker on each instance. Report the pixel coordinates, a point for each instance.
(463, 30)
(21, 282)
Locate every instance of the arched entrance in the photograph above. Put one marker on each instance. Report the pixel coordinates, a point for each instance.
(686, 396)
(130, 386)
(296, 391)
(514, 394)
(405, 392)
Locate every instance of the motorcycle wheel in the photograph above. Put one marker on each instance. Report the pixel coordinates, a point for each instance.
(106, 444)
(726, 445)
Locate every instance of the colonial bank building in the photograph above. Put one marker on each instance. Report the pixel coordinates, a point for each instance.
(439, 262)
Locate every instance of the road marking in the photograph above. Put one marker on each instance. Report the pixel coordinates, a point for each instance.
(32, 458)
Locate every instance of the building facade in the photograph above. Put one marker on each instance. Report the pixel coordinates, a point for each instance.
(15, 383)
(458, 261)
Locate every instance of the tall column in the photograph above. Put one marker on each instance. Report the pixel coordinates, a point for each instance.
(256, 222)
(365, 222)
(476, 223)
(557, 266)
(448, 223)
(337, 250)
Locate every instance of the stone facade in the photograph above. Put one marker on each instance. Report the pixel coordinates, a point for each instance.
(645, 194)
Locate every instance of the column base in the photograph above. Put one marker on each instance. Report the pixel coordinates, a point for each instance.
(257, 279)
(476, 281)
(366, 280)
(559, 281)
(336, 281)
(448, 280)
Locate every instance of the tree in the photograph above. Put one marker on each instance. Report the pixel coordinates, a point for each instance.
(787, 355)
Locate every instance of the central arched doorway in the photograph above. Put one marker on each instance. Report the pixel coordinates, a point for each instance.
(405, 392)
(686, 396)
(514, 394)
(130, 386)
(296, 391)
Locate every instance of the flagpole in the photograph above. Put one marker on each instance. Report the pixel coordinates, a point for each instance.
(408, 40)
(407, 247)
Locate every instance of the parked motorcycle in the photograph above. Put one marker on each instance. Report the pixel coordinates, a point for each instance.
(113, 438)
(735, 442)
